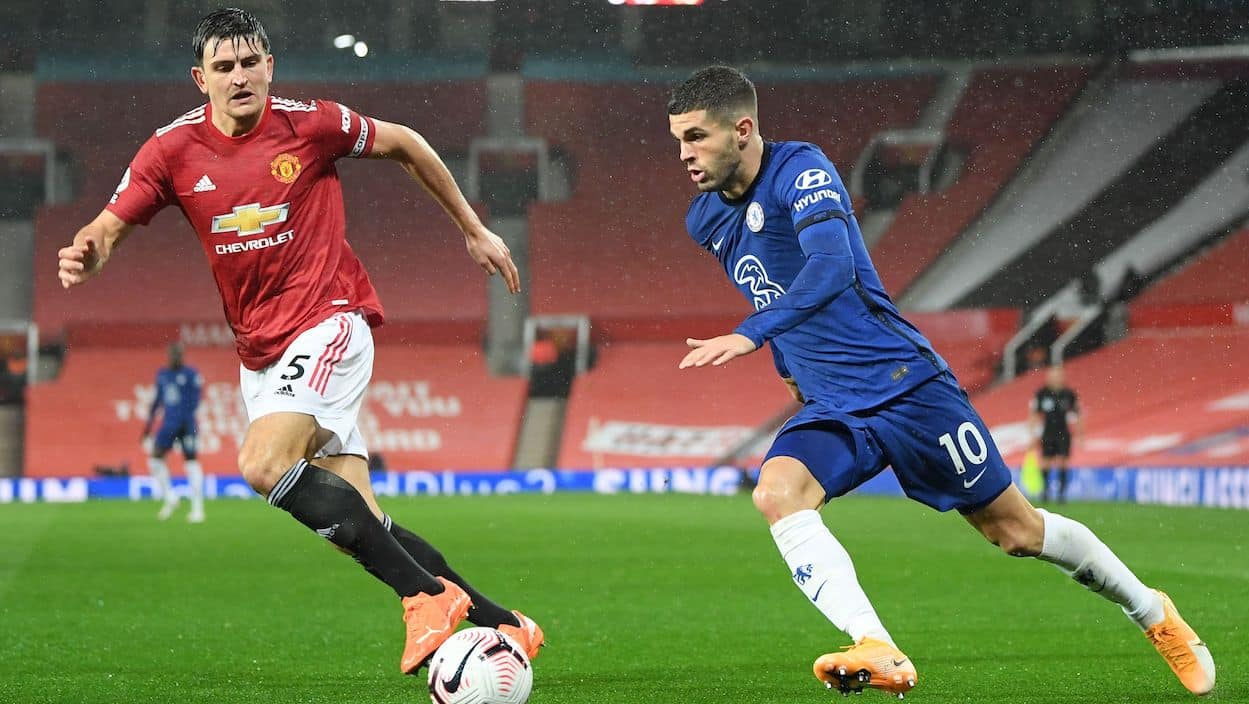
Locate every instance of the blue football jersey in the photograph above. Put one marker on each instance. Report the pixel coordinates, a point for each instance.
(178, 393)
(851, 353)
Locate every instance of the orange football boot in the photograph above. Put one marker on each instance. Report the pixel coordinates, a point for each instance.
(431, 619)
(867, 663)
(1183, 649)
(528, 635)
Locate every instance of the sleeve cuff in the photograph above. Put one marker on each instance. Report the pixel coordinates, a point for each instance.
(751, 335)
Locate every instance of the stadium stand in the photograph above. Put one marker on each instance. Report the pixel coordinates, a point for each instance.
(1208, 210)
(1003, 114)
(637, 409)
(618, 247)
(1217, 276)
(1177, 163)
(1158, 397)
(1096, 146)
(429, 407)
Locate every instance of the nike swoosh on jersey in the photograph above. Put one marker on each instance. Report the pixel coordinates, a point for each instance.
(715, 246)
(969, 483)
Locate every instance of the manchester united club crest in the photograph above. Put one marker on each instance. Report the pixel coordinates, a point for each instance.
(285, 167)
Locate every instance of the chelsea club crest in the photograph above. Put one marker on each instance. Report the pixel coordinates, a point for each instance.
(754, 217)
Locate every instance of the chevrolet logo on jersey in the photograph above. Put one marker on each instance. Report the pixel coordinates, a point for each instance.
(250, 219)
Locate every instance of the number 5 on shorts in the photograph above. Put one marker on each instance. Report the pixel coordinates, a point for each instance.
(967, 434)
(299, 368)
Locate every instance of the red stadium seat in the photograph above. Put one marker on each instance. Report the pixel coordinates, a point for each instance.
(636, 409)
(1155, 397)
(1218, 276)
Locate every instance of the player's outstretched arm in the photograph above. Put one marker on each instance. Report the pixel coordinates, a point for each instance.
(92, 247)
(418, 158)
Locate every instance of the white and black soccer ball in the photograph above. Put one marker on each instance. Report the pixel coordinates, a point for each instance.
(480, 666)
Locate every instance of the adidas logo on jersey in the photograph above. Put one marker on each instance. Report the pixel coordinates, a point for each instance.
(285, 391)
(204, 184)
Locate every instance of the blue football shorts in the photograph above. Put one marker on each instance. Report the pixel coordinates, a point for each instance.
(936, 443)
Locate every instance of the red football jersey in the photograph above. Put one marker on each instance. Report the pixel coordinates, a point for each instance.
(268, 209)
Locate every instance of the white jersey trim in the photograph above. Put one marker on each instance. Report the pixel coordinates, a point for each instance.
(288, 105)
(193, 117)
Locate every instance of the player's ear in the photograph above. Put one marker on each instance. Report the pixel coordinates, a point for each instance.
(269, 67)
(745, 128)
(197, 75)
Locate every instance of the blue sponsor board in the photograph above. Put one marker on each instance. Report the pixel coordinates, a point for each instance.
(1216, 487)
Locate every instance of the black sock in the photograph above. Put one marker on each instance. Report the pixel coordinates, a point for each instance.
(483, 612)
(1051, 484)
(1063, 478)
(329, 505)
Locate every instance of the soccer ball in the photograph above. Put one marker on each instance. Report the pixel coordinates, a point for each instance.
(479, 666)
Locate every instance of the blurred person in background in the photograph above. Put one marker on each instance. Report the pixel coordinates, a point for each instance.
(1056, 425)
(176, 398)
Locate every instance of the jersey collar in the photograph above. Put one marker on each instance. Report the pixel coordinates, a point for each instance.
(763, 166)
(245, 137)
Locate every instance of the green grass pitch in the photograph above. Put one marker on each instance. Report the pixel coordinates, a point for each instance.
(644, 599)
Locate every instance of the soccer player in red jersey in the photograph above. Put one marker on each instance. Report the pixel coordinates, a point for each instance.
(254, 175)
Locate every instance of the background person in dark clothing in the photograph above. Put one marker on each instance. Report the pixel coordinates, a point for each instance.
(1055, 414)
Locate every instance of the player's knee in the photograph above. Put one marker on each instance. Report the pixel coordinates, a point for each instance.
(776, 500)
(260, 468)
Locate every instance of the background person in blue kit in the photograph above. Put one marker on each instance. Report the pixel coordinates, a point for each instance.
(779, 220)
(177, 397)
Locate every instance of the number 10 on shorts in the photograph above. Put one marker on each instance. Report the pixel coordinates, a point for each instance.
(968, 434)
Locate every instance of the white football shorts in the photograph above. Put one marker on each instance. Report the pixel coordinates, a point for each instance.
(323, 373)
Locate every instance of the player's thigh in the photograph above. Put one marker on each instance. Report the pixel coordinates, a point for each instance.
(188, 442)
(811, 463)
(355, 470)
(1010, 522)
(940, 448)
(164, 440)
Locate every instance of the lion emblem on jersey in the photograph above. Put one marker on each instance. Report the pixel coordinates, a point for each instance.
(285, 167)
(750, 272)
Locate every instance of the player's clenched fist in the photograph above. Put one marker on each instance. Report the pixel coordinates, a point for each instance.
(79, 262)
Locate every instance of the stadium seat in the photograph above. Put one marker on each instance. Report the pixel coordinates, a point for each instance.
(1155, 397)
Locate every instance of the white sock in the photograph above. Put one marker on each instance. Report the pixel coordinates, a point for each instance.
(1074, 550)
(195, 482)
(160, 475)
(822, 569)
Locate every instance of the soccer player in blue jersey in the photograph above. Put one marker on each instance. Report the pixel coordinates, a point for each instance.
(177, 398)
(875, 394)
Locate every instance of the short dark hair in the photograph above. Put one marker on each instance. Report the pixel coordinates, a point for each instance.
(228, 24)
(720, 90)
